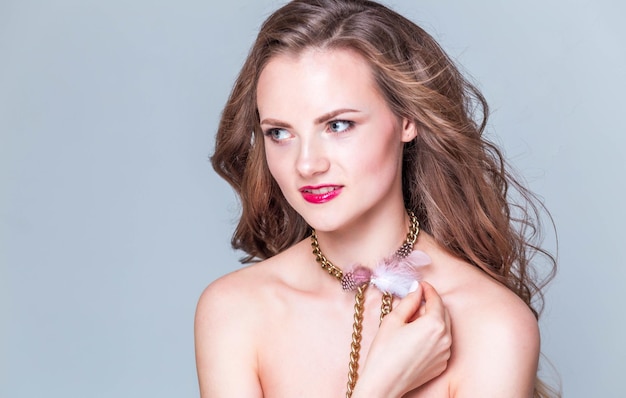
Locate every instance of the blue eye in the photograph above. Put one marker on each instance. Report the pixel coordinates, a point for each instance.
(277, 134)
(339, 126)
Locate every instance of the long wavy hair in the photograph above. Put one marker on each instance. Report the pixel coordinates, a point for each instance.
(454, 179)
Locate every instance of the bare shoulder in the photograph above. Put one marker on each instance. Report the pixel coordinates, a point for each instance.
(233, 290)
(483, 304)
(496, 339)
(240, 299)
(255, 286)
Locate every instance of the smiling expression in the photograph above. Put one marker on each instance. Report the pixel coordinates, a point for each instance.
(332, 143)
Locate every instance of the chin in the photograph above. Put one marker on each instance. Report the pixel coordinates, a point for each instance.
(321, 220)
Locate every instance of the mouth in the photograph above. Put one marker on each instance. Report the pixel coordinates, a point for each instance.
(318, 191)
(320, 194)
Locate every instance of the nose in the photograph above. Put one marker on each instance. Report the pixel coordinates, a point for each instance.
(312, 158)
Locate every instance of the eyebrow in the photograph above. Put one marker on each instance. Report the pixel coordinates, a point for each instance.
(324, 118)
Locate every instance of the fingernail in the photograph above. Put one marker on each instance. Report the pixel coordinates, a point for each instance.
(414, 286)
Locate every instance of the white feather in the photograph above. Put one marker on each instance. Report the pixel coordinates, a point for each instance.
(398, 276)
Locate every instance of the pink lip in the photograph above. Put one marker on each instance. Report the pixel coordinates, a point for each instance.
(312, 195)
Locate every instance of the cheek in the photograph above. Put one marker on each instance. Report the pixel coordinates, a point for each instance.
(381, 156)
(276, 167)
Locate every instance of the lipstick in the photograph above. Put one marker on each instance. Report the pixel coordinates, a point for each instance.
(320, 194)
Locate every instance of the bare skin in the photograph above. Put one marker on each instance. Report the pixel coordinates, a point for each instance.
(282, 328)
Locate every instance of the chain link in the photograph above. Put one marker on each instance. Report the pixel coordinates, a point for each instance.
(386, 306)
(411, 237)
(322, 260)
(355, 347)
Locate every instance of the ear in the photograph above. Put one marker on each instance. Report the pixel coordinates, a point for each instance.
(409, 130)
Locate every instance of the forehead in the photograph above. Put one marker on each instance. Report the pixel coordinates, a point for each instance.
(316, 78)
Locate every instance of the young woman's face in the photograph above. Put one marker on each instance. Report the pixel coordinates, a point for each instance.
(332, 143)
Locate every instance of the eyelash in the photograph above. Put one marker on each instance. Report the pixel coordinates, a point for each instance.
(348, 128)
(269, 133)
(350, 124)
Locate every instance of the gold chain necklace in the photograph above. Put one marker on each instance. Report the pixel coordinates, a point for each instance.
(348, 283)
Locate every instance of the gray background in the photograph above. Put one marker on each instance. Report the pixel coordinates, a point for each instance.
(112, 221)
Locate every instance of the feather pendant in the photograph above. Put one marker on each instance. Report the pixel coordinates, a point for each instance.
(398, 275)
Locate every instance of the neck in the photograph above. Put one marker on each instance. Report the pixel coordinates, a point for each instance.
(367, 241)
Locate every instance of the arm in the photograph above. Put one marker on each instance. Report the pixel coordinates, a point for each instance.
(225, 349)
(411, 347)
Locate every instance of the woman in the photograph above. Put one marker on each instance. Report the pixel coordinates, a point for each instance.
(355, 146)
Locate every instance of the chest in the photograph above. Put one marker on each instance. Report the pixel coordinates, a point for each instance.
(305, 346)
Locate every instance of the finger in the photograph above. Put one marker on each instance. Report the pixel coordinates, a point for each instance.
(432, 299)
(409, 305)
(421, 311)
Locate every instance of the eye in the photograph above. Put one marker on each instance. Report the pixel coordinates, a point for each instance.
(277, 134)
(339, 126)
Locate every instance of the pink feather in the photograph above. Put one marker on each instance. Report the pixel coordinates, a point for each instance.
(356, 277)
(361, 274)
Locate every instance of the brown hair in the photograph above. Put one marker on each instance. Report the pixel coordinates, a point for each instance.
(455, 180)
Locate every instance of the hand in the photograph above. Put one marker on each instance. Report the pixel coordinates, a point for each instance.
(411, 347)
